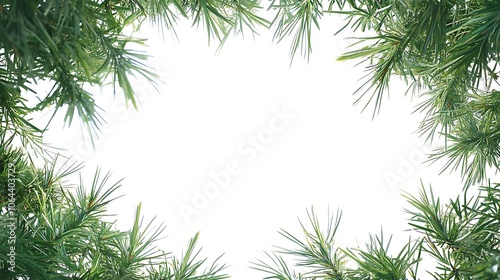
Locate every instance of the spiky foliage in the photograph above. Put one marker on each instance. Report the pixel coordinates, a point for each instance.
(463, 235)
(447, 52)
(53, 231)
(187, 266)
(69, 46)
(315, 256)
(461, 238)
(375, 262)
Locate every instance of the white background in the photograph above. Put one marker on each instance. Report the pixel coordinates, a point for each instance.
(329, 156)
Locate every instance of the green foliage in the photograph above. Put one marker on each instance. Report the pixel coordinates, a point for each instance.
(462, 238)
(51, 55)
(317, 256)
(72, 45)
(447, 52)
(57, 232)
(297, 17)
(376, 263)
(187, 267)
